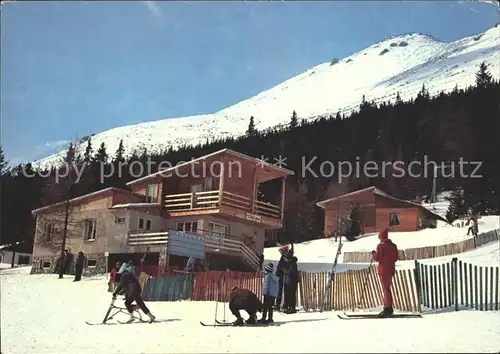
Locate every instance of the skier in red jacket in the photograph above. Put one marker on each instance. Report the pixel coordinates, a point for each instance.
(386, 255)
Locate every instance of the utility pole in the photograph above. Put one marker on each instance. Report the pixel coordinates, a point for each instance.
(434, 189)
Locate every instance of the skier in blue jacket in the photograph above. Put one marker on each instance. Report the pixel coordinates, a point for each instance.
(270, 288)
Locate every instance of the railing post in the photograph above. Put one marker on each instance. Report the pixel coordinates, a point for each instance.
(418, 284)
(193, 196)
(455, 281)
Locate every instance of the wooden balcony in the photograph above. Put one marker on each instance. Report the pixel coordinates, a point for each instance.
(214, 244)
(225, 203)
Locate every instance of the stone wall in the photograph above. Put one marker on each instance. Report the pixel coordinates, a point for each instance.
(99, 267)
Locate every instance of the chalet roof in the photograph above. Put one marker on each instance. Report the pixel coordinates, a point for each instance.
(227, 151)
(80, 198)
(381, 193)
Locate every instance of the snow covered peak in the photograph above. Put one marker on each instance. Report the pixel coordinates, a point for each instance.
(396, 64)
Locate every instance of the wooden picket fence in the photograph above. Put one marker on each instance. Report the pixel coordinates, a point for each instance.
(430, 251)
(217, 285)
(456, 284)
(356, 289)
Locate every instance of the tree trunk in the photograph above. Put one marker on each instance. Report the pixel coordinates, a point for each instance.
(65, 231)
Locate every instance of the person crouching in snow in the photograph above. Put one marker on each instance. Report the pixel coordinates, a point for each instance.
(131, 288)
(244, 299)
(270, 287)
(386, 255)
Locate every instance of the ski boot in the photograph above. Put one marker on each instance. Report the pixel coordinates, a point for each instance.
(386, 312)
(252, 320)
(238, 322)
(151, 317)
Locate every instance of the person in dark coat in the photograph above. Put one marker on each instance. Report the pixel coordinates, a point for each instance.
(291, 284)
(80, 260)
(281, 271)
(130, 287)
(386, 255)
(60, 265)
(244, 299)
(68, 260)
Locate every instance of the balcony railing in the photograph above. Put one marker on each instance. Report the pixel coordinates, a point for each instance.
(228, 245)
(212, 200)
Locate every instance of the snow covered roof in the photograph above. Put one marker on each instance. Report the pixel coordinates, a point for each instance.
(135, 205)
(229, 151)
(82, 197)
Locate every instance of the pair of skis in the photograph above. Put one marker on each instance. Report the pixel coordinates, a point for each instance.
(230, 324)
(120, 322)
(332, 275)
(373, 316)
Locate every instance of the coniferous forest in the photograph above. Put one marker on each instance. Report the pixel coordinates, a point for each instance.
(462, 124)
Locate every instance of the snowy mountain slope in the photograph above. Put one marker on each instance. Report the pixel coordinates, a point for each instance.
(397, 64)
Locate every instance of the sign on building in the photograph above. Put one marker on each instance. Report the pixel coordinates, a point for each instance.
(185, 243)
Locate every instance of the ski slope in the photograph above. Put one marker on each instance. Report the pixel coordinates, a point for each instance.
(397, 64)
(42, 314)
(318, 255)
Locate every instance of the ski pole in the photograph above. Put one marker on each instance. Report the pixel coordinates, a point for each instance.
(365, 284)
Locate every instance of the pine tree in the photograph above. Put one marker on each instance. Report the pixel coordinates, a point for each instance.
(398, 99)
(251, 127)
(70, 154)
(119, 152)
(101, 154)
(3, 163)
(87, 156)
(294, 120)
(483, 76)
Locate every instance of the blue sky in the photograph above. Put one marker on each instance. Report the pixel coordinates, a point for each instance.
(74, 68)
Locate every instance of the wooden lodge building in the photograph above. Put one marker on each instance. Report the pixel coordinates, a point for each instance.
(209, 207)
(375, 210)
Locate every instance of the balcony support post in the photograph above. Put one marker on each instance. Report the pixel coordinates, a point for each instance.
(254, 192)
(282, 206)
(222, 173)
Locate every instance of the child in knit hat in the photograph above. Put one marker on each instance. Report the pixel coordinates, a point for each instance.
(270, 287)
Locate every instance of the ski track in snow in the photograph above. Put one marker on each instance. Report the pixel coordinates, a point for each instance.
(323, 89)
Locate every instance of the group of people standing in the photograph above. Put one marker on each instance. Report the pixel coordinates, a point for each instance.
(64, 265)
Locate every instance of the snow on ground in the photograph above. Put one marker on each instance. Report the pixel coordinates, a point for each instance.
(318, 255)
(42, 314)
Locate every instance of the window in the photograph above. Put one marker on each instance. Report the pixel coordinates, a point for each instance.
(49, 231)
(119, 220)
(394, 219)
(90, 229)
(195, 188)
(144, 224)
(209, 184)
(23, 259)
(152, 193)
(218, 230)
(45, 264)
(191, 226)
(91, 263)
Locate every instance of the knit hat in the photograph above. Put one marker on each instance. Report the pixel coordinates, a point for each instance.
(384, 234)
(269, 268)
(284, 249)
